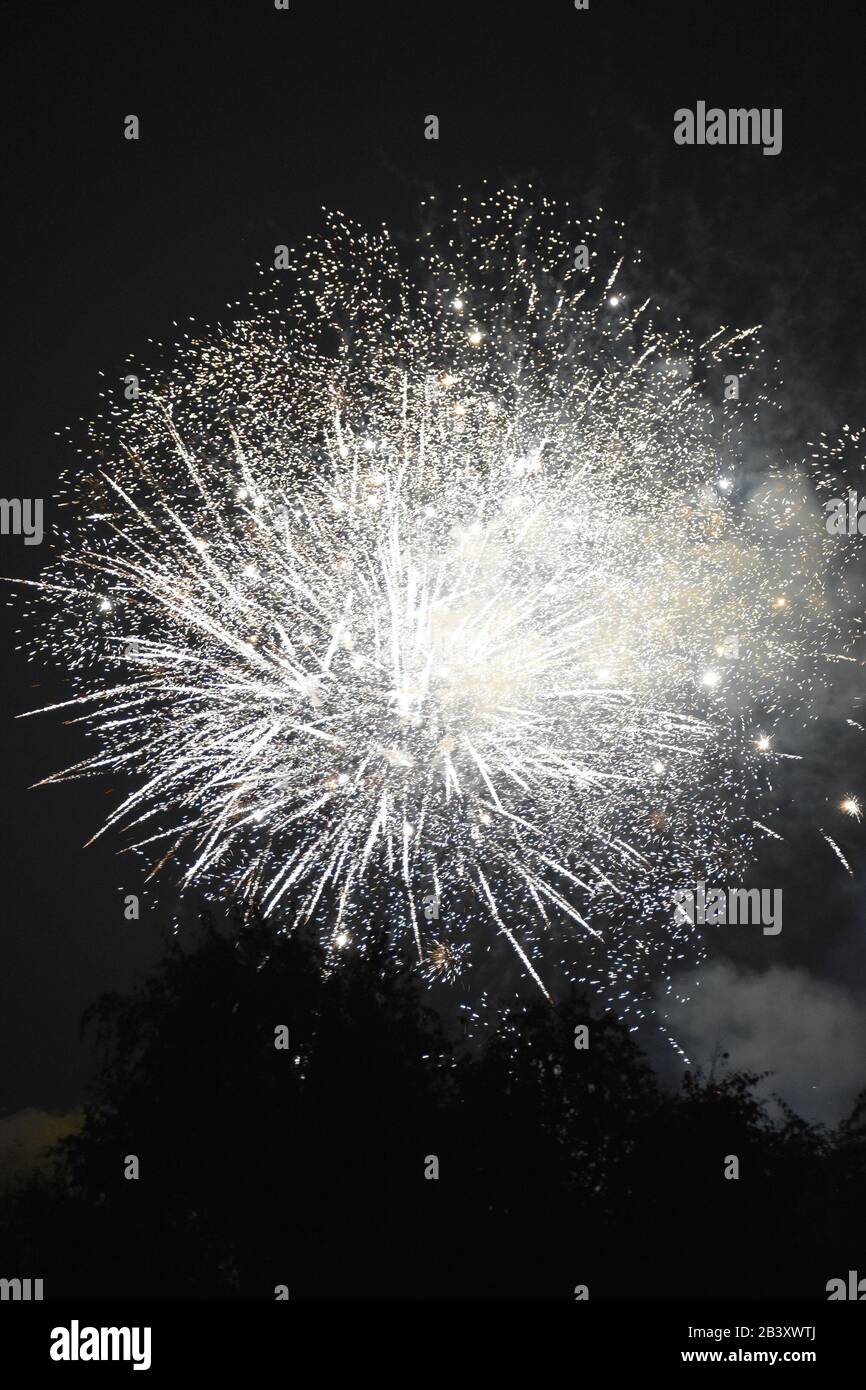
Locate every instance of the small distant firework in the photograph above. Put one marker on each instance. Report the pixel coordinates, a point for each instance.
(444, 961)
(428, 575)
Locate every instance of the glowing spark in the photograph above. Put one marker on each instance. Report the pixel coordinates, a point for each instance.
(837, 851)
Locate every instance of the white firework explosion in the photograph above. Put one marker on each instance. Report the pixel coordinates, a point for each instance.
(443, 584)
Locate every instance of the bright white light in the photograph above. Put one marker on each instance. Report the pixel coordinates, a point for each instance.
(475, 592)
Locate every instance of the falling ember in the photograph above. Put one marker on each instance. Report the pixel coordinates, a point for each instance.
(366, 636)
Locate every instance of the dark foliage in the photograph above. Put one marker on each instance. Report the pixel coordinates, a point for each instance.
(305, 1167)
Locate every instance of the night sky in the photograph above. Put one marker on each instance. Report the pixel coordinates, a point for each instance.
(252, 120)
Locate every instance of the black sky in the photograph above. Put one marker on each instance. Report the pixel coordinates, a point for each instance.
(252, 120)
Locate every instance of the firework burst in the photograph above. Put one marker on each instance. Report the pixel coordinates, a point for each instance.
(435, 598)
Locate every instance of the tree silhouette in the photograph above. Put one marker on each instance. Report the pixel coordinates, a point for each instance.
(305, 1167)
